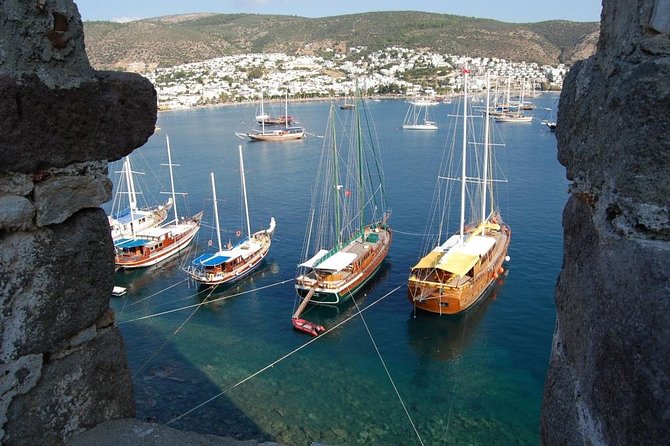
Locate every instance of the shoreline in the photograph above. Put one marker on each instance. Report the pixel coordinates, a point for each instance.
(279, 101)
(334, 99)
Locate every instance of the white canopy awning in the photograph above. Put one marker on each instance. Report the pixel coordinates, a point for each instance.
(337, 262)
(310, 263)
(477, 245)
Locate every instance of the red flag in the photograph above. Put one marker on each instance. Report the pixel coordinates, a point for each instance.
(464, 70)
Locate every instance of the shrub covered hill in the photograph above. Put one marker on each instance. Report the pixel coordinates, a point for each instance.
(144, 45)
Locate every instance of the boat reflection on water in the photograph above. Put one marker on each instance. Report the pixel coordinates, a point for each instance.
(216, 296)
(330, 315)
(136, 280)
(444, 337)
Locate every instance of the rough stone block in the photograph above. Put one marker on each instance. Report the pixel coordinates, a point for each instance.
(16, 183)
(90, 385)
(56, 281)
(61, 195)
(16, 212)
(104, 118)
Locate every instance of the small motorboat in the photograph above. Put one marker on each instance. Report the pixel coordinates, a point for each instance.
(307, 326)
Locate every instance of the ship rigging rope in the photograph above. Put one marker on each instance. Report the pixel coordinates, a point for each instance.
(156, 293)
(395, 231)
(168, 338)
(277, 361)
(206, 302)
(164, 303)
(381, 359)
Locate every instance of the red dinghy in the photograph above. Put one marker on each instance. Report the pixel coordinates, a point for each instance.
(307, 326)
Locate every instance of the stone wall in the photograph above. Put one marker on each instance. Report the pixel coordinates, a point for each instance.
(63, 366)
(608, 381)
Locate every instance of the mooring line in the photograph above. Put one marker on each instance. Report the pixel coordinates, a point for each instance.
(418, 234)
(162, 313)
(388, 373)
(272, 364)
(159, 349)
(190, 296)
(157, 293)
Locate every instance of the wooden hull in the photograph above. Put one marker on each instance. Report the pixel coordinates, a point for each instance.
(513, 118)
(276, 137)
(338, 288)
(286, 137)
(453, 298)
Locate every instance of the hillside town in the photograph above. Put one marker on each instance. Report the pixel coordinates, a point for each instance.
(392, 71)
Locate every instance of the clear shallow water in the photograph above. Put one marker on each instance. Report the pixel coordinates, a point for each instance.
(475, 379)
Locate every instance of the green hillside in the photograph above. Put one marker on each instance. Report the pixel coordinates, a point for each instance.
(172, 40)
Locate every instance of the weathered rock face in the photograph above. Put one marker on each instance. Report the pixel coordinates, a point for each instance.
(63, 367)
(105, 117)
(609, 377)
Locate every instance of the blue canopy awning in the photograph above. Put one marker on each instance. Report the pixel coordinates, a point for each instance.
(210, 259)
(131, 242)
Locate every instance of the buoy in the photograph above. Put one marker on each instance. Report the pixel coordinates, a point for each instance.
(238, 233)
(495, 275)
(501, 270)
(506, 258)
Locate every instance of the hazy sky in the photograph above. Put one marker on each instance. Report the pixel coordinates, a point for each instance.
(518, 11)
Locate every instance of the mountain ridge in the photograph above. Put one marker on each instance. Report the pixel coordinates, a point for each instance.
(147, 44)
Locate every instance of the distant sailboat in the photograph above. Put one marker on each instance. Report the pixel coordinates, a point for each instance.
(551, 122)
(153, 245)
(513, 113)
(274, 132)
(417, 117)
(126, 222)
(424, 102)
(347, 104)
(232, 263)
(453, 274)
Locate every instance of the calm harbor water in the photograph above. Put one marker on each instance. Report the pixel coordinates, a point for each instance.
(390, 376)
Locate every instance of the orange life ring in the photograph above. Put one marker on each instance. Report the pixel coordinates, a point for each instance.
(238, 233)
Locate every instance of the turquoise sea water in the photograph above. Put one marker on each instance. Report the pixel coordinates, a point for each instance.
(392, 376)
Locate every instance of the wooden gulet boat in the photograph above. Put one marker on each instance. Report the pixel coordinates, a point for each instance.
(286, 133)
(336, 265)
(156, 244)
(232, 263)
(277, 135)
(339, 273)
(454, 275)
(514, 114)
